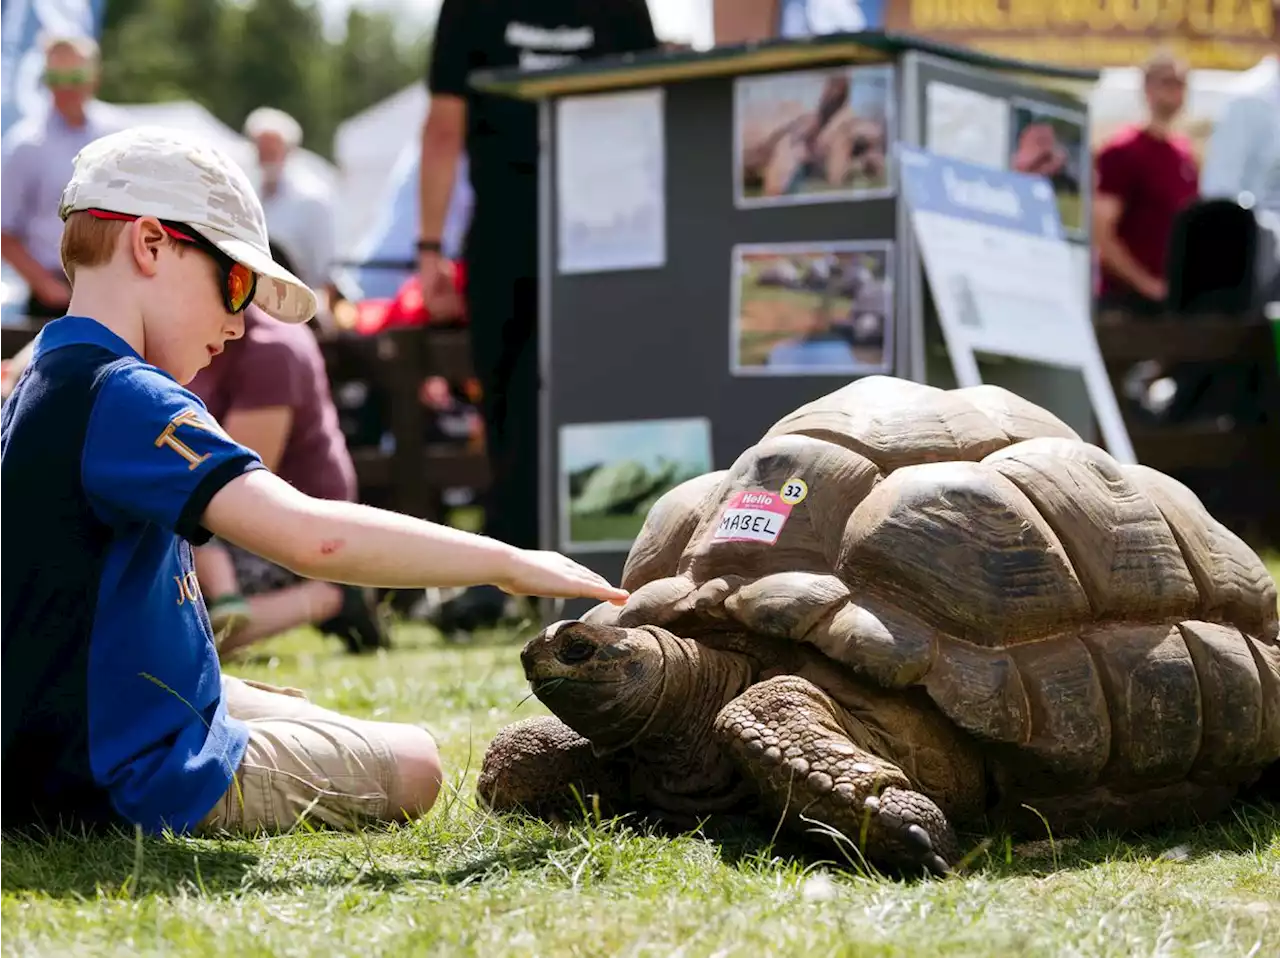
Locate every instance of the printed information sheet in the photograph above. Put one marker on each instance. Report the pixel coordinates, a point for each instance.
(610, 182)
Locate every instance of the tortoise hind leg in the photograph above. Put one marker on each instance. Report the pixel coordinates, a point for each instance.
(541, 766)
(785, 734)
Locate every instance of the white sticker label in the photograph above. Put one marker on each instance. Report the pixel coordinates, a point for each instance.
(753, 517)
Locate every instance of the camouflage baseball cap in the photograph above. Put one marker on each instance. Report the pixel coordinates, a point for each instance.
(153, 171)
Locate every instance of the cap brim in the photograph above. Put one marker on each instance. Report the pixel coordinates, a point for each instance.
(280, 294)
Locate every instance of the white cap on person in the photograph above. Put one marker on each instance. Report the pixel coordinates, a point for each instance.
(155, 171)
(267, 119)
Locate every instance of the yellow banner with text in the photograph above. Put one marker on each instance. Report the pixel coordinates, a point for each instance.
(1208, 34)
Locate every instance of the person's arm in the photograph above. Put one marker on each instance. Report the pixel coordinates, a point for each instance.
(1114, 184)
(265, 385)
(264, 430)
(453, 56)
(1230, 149)
(357, 544)
(15, 213)
(154, 454)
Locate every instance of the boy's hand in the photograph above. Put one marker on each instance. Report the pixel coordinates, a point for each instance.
(555, 576)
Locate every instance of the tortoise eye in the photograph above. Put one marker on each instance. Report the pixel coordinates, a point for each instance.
(576, 652)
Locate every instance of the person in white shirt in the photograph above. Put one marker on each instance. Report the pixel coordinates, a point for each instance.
(300, 215)
(38, 159)
(1242, 158)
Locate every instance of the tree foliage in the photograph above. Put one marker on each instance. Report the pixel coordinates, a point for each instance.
(232, 56)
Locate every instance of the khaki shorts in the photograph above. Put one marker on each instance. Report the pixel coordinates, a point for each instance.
(302, 763)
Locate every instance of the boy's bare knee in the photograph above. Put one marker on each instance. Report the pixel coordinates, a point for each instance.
(419, 774)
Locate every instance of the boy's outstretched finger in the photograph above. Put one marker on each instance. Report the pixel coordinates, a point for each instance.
(598, 586)
(609, 593)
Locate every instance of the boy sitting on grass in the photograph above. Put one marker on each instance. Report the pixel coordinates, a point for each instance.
(115, 710)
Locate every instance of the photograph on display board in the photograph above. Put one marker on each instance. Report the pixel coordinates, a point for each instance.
(803, 309)
(966, 125)
(813, 136)
(813, 18)
(1050, 142)
(611, 473)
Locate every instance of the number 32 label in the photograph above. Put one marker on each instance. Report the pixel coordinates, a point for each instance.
(794, 491)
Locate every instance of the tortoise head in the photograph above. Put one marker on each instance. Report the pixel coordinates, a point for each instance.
(605, 683)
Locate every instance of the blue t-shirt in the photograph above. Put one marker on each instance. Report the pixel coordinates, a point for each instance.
(113, 710)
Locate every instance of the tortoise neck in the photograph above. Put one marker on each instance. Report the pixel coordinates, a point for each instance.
(676, 745)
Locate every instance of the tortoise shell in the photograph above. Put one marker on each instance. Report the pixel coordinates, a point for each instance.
(1087, 615)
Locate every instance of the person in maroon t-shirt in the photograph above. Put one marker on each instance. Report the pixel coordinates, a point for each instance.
(270, 391)
(1144, 176)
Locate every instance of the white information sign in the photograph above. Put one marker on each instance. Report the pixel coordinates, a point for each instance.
(1005, 280)
(610, 182)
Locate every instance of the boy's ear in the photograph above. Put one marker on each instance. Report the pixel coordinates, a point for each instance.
(146, 239)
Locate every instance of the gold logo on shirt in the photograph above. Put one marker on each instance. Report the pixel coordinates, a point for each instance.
(188, 417)
(188, 587)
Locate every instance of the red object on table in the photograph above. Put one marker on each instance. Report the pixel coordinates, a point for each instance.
(407, 307)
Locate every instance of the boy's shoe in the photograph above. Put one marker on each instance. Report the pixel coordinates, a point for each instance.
(358, 623)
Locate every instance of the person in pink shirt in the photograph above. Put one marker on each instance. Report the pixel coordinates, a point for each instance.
(270, 391)
(1145, 176)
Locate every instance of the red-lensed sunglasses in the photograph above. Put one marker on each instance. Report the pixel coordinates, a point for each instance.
(239, 283)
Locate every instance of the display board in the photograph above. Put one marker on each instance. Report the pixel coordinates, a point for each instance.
(692, 298)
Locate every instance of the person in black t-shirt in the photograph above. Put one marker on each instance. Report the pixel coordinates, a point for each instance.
(501, 139)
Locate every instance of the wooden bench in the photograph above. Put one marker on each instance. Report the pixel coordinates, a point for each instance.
(1234, 467)
(412, 475)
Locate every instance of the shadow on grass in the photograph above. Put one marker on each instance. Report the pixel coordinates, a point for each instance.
(1248, 828)
(66, 865)
(123, 866)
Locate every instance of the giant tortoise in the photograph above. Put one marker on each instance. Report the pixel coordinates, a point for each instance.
(905, 609)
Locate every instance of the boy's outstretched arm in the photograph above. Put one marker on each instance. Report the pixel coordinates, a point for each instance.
(361, 545)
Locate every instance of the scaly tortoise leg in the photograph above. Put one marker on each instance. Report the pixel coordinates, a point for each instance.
(786, 734)
(538, 764)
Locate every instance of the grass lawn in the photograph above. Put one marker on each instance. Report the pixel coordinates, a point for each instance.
(464, 883)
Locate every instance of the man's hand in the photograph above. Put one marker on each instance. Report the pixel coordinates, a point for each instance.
(435, 274)
(1154, 289)
(555, 576)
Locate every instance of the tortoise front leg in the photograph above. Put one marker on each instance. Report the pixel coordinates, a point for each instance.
(541, 766)
(786, 735)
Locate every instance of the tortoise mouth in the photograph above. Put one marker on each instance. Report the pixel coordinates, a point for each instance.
(552, 682)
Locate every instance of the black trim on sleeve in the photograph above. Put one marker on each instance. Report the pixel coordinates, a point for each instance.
(188, 525)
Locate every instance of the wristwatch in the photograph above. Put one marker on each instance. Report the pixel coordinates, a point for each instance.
(428, 246)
